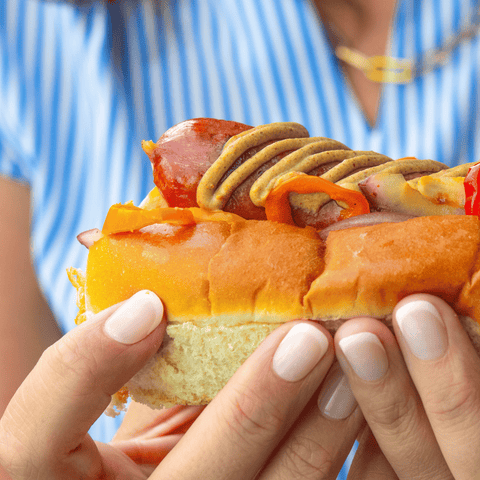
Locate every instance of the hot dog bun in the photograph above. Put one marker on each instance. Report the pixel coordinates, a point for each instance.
(227, 283)
(228, 279)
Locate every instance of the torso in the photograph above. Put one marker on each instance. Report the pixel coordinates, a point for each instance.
(367, 31)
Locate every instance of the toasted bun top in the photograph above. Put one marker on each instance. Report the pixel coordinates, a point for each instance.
(264, 270)
(368, 270)
(170, 260)
(223, 273)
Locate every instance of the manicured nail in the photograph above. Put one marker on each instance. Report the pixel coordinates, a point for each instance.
(423, 329)
(336, 400)
(366, 355)
(300, 350)
(135, 319)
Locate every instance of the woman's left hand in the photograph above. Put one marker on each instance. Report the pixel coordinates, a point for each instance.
(419, 392)
(43, 433)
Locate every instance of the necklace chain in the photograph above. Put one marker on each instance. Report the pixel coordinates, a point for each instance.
(386, 69)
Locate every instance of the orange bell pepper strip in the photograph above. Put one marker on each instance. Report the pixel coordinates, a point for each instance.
(127, 218)
(277, 206)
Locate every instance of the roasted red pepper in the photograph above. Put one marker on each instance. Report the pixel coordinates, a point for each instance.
(277, 206)
(471, 185)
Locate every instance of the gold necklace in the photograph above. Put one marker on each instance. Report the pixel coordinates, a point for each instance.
(386, 69)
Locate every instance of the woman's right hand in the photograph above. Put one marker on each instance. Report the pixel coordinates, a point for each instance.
(264, 424)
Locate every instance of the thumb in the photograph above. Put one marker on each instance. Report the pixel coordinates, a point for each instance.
(73, 381)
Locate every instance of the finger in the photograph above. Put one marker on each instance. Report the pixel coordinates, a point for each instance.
(139, 418)
(141, 422)
(147, 435)
(180, 423)
(318, 444)
(369, 355)
(369, 462)
(116, 465)
(74, 379)
(446, 371)
(151, 451)
(239, 429)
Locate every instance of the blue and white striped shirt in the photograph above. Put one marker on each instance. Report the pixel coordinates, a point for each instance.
(81, 86)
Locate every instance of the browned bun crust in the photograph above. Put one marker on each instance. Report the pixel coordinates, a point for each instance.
(226, 285)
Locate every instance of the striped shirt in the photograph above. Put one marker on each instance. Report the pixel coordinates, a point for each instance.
(81, 86)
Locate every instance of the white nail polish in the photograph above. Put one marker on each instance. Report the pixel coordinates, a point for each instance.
(366, 355)
(336, 400)
(135, 319)
(299, 352)
(423, 329)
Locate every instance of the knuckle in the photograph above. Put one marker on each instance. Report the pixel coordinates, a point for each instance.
(255, 417)
(453, 401)
(395, 416)
(6, 450)
(14, 456)
(306, 458)
(68, 358)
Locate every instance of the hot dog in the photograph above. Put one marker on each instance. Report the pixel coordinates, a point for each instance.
(191, 170)
(228, 276)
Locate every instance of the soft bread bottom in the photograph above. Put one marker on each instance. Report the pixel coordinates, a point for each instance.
(473, 330)
(194, 363)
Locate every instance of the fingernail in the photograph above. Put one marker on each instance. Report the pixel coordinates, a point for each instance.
(135, 319)
(423, 329)
(366, 355)
(336, 400)
(300, 350)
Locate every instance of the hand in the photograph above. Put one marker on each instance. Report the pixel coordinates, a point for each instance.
(420, 396)
(147, 435)
(265, 420)
(43, 432)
